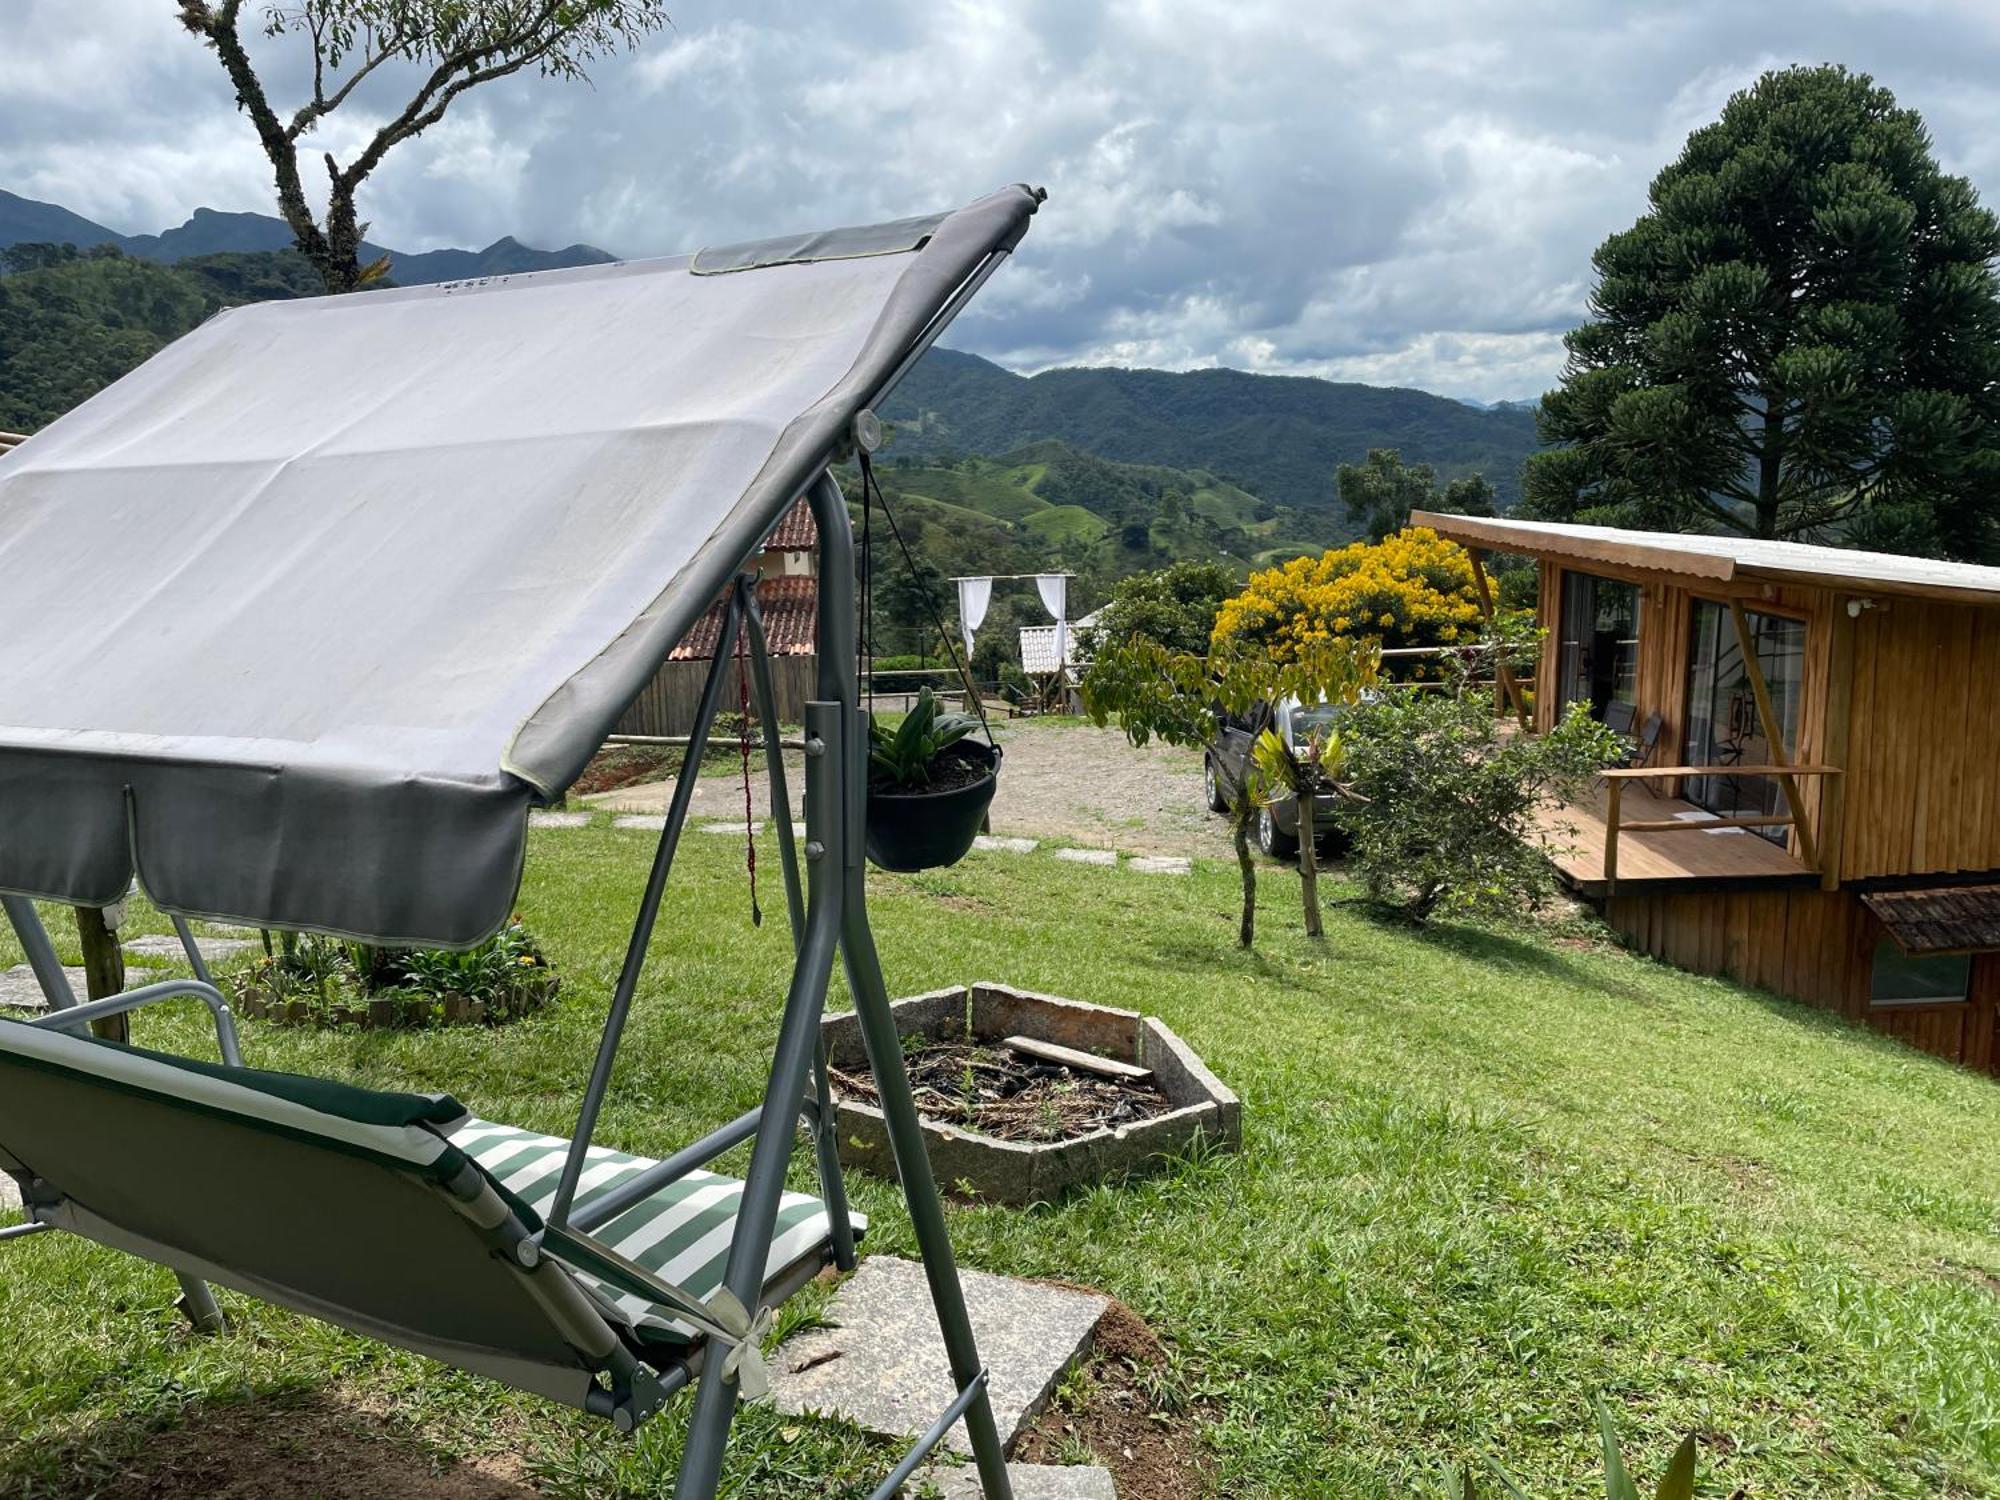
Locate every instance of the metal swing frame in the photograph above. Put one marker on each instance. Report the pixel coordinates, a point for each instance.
(827, 910)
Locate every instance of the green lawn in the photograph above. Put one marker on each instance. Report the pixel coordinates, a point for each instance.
(1485, 1176)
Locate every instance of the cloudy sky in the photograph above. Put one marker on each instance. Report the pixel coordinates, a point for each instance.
(1403, 193)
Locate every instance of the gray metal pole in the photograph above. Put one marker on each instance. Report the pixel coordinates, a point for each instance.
(826, 1139)
(798, 1036)
(34, 937)
(871, 997)
(642, 926)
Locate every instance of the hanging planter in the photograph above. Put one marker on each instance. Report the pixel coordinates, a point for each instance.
(929, 786)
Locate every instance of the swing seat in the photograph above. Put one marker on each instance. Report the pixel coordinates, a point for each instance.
(400, 1216)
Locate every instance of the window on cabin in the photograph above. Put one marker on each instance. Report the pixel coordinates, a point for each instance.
(1898, 979)
(1598, 637)
(1724, 727)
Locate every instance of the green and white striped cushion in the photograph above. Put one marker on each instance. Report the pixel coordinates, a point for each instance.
(681, 1233)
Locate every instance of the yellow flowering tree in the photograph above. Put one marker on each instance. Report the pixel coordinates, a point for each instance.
(1412, 589)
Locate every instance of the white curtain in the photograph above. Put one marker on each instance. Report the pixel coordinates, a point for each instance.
(1054, 588)
(974, 594)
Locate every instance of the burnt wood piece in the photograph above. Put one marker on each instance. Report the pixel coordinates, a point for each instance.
(1083, 1062)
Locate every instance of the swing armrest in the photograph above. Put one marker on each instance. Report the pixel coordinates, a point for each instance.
(76, 1018)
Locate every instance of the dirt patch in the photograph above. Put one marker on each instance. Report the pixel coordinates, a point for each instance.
(1152, 1454)
(617, 766)
(994, 1092)
(277, 1447)
(1057, 781)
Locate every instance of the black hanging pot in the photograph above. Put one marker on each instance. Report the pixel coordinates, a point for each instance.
(926, 828)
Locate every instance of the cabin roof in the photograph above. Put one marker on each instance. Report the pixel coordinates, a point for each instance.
(1723, 559)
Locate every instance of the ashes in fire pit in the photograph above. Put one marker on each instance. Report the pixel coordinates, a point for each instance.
(1020, 1092)
(1024, 1096)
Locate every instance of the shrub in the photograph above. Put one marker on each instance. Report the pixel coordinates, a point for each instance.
(1440, 805)
(323, 981)
(1414, 589)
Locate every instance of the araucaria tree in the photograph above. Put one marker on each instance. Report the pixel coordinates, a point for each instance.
(1800, 338)
(442, 47)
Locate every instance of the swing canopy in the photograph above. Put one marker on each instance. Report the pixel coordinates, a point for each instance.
(302, 615)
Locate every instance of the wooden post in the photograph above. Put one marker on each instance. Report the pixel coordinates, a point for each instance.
(103, 968)
(1773, 732)
(1507, 690)
(1614, 793)
(1836, 718)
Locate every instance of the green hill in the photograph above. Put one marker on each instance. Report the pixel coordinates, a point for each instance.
(1049, 505)
(1278, 437)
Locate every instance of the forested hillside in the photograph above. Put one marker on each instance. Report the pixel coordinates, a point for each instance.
(1279, 437)
(71, 323)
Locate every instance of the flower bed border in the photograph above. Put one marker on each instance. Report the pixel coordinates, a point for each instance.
(1019, 1172)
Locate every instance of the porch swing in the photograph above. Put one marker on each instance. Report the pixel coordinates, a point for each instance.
(350, 744)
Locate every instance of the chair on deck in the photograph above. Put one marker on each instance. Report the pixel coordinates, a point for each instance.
(1618, 719)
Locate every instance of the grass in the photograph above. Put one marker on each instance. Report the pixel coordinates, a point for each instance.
(1485, 1175)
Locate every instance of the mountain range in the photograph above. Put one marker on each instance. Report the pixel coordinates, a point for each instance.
(209, 231)
(1278, 436)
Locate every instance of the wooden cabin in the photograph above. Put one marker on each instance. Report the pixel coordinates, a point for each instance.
(1813, 804)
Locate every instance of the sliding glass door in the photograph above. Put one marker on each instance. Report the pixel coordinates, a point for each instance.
(1723, 725)
(1597, 661)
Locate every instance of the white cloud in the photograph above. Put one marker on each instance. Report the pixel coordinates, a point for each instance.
(1406, 194)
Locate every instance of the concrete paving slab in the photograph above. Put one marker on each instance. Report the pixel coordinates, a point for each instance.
(739, 828)
(19, 991)
(10, 1196)
(1108, 857)
(1031, 1482)
(1161, 864)
(882, 1363)
(653, 821)
(165, 948)
(995, 845)
(558, 819)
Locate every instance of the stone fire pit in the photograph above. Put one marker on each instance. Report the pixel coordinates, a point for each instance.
(1006, 1171)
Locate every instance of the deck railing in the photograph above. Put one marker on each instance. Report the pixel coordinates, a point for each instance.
(1614, 823)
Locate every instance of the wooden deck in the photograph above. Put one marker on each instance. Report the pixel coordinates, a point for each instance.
(1650, 860)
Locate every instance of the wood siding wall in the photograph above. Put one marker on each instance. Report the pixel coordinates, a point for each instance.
(1906, 698)
(1810, 945)
(667, 704)
(1923, 751)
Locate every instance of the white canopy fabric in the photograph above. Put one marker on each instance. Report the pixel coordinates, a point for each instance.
(974, 594)
(1054, 589)
(299, 617)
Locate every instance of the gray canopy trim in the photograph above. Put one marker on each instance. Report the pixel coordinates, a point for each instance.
(283, 637)
(892, 238)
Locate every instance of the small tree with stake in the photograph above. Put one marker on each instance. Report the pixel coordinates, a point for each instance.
(1176, 695)
(453, 46)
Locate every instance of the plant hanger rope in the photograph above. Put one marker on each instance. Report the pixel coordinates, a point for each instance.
(743, 747)
(872, 489)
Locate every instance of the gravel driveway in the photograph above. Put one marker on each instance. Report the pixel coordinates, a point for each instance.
(1060, 779)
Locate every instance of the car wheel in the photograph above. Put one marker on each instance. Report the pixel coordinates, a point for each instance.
(1271, 839)
(1211, 786)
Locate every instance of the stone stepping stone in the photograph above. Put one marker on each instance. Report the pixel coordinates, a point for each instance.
(1161, 864)
(1107, 857)
(1031, 1482)
(19, 991)
(1004, 845)
(738, 828)
(165, 948)
(881, 1363)
(10, 1196)
(653, 821)
(558, 819)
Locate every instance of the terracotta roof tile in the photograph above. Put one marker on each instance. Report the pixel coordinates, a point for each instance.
(1946, 919)
(794, 532)
(789, 607)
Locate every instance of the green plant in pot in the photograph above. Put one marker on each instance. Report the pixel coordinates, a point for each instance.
(929, 785)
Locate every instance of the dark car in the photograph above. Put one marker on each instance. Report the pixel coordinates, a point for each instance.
(1229, 757)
